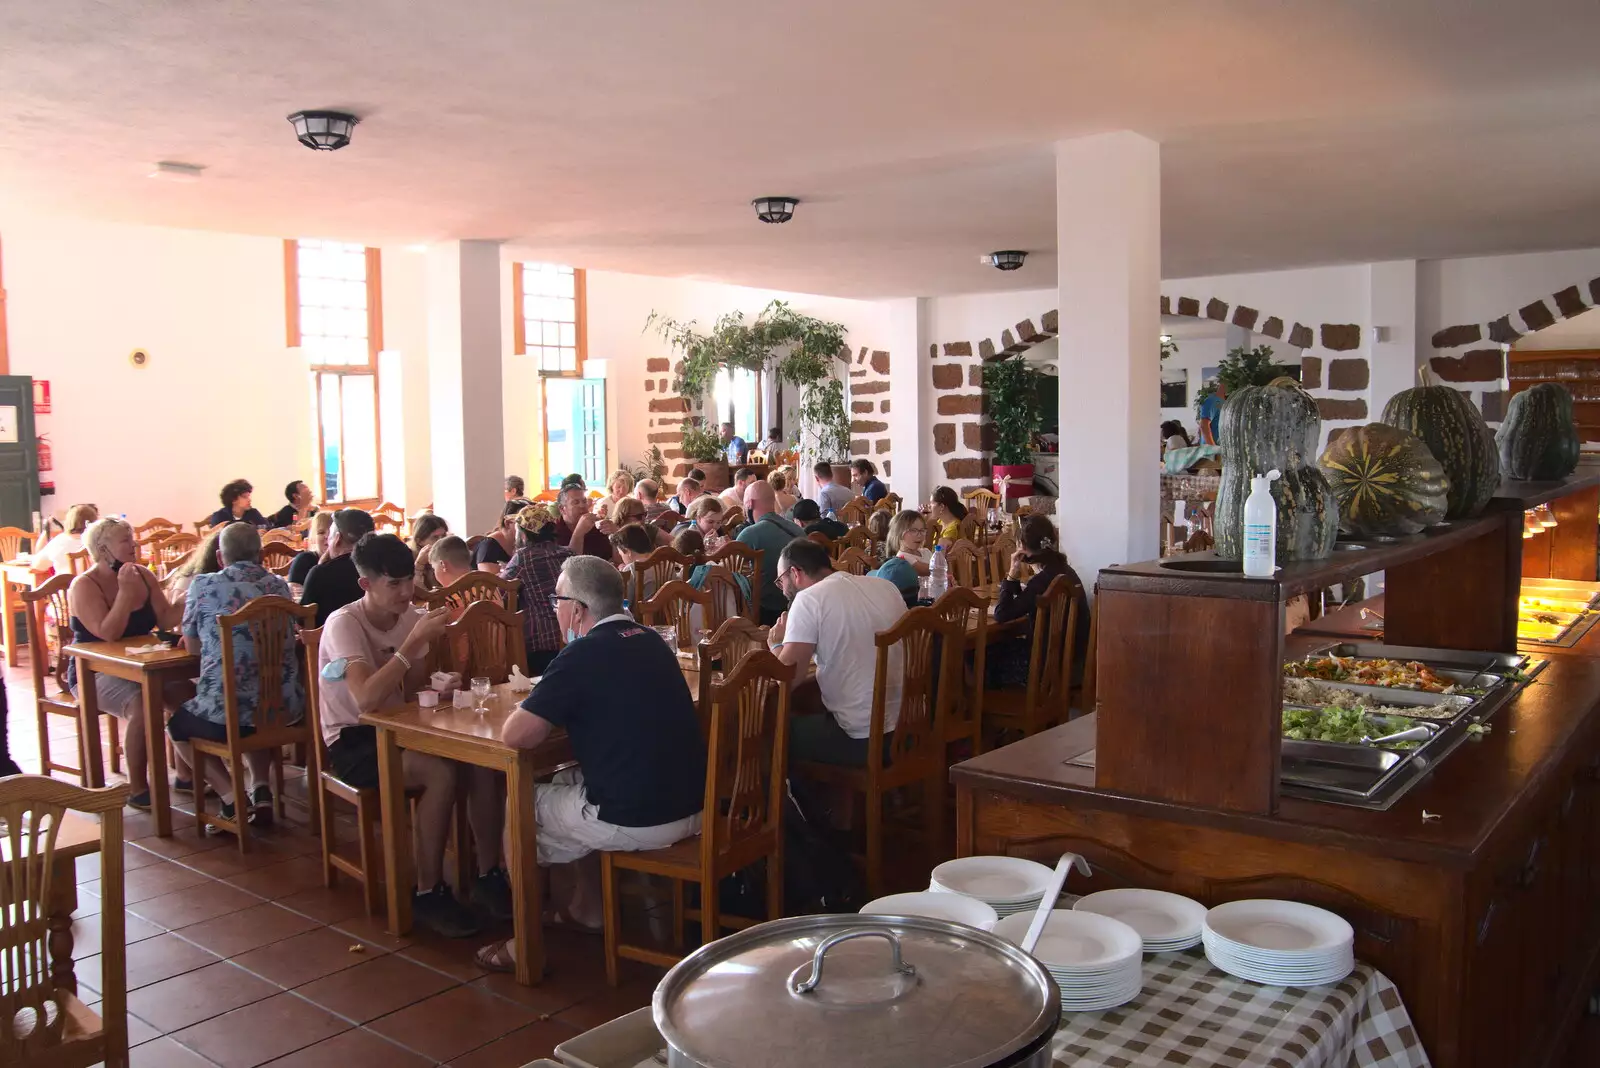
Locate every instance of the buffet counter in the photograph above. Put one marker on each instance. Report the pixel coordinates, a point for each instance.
(1475, 891)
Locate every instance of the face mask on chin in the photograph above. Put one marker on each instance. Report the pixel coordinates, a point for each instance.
(572, 635)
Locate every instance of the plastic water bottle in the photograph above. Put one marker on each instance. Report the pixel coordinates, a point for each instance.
(1261, 527)
(938, 574)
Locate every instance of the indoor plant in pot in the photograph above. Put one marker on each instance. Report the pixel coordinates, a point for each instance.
(1012, 386)
(702, 446)
(825, 427)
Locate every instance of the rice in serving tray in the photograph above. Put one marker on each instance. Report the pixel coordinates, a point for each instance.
(1311, 692)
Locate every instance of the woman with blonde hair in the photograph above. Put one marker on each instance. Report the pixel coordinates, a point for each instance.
(115, 599)
(428, 529)
(779, 482)
(907, 554)
(632, 510)
(706, 515)
(308, 558)
(202, 561)
(54, 554)
(618, 488)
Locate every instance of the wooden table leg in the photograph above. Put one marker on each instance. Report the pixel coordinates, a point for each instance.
(8, 604)
(155, 733)
(94, 771)
(527, 891)
(399, 866)
(63, 903)
(964, 827)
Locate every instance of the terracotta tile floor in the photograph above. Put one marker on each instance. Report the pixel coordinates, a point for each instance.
(243, 961)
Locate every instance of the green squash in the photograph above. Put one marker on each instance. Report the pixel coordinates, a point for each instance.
(1269, 427)
(1538, 440)
(1386, 481)
(1453, 429)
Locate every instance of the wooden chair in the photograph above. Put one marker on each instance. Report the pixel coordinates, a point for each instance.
(270, 623)
(147, 531)
(823, 540)
(470, 589)
(1085, 697)
(855, 513)
(969, 610)
(282, 536)
(965, 562)
(988, 507)
(997, 557)
(755, 456)
(891, 501)
(971, 528)
(856, 538)
(916, 752)
(42, 1020)
(383, 523)
(732, 520)
(1044, 702)
(11, 539)
(741, 822)
(47, 613)
(390, 509)
(741, 559)
(728, 600)
(486, 642)
(78, 562)
(853, 561)
(717, 654)
(652, 572)
(164, 553)
(677, 604)
(365, 870)
(276, 557)
(202, 527)
(472, 542)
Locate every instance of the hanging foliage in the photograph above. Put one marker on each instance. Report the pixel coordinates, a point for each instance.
(799, 349)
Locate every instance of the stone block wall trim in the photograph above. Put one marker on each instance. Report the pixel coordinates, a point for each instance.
(944, 438)
(656, 364)
(1050, 322)
(1341, 337)
(864, 388)
(1273, 327)
(958, 348)
(859, 446)
(1342, 409)
(1300, 336)
(1189, 306)
(1474, 365)
(975, 375)
(649, 385)
(1245, 317)
(861, 406)
(669, 404)
(961, 404)
(1535, 316)
(1217, 309)
(868, 426)
(1027, 333)
(1008, 341)
(1311, 372)
(947, 376)
(1166, 304)
(966, 468)
(1348, 374)
(883, 406)
(986, 349)
(880, 362)
(881, 447)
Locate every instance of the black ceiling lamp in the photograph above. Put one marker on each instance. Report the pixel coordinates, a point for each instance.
(774, 209)
(323, 131)
(1008, 260)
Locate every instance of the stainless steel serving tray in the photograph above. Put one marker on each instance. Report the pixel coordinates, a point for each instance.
(1460, 659)
(1389, 695)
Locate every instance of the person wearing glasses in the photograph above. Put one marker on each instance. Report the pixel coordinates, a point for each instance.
(536, 564)
(640, 780)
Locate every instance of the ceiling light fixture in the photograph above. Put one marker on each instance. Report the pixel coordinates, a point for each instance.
(323, 131)
(1008, 260)
(176, 172)
(774, 209)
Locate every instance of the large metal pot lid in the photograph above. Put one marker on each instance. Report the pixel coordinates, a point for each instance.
(893, 990)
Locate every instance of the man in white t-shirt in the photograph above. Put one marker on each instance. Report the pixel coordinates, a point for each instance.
(372, 655)
(836, 616)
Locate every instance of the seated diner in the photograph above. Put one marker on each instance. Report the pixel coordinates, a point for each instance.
(236, 506)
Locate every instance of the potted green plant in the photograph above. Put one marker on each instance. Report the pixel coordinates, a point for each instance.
(1012, 388)
(825, 427)
(703, 446)
(1244, 367)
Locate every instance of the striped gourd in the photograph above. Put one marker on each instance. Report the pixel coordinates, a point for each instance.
(1452, 428)
(1539, 438)
(1386, 480)
(1275, 426)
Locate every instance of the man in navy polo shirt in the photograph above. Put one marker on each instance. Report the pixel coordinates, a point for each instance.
(640, 781)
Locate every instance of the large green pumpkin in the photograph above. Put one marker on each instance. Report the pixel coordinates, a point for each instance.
(1386, 481)
(1269, 427)
(1539, 438)
(1452, 428)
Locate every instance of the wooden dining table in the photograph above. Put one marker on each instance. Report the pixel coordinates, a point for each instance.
(14, 574)
(151, 671)
(468, 737)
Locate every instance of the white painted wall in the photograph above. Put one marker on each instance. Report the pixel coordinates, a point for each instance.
(1311, 295)
(1480, 289)
(222, 396)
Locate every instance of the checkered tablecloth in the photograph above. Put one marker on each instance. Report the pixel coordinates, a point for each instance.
(1191, 1014)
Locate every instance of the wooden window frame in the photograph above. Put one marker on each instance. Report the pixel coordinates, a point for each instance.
(519, 322)
(374, 283)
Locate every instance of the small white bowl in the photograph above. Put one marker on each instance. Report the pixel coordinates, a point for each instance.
(957, 908)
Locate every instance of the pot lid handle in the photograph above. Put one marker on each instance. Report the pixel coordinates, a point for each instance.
(807, 985)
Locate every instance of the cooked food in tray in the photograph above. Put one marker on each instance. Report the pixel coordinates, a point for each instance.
(1347, 725)
(1403, 675)
(1314, 693)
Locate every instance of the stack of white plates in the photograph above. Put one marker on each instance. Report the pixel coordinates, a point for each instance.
(1096, 961)
(1279, 943)
(1006, 884)
(955, 907)
(1167, 922)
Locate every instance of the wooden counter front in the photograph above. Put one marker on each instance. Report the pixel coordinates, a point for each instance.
(1486, 917)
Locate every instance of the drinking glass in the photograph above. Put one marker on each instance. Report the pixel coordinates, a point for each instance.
(480, 690)
(669, 634)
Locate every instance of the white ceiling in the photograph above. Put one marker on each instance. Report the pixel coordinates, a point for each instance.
(631, 134)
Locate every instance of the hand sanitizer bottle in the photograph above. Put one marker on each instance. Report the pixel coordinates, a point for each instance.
(1261, 528)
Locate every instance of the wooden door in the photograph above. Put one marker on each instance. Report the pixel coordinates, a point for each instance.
(19, 455)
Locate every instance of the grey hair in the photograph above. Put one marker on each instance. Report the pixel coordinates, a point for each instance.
(97, 537)
(595, 584)
(239, 542)
(561, 498)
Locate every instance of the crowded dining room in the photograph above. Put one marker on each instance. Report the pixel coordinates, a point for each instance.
(736, 534)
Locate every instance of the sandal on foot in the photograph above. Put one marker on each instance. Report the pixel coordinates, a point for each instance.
(496, 957)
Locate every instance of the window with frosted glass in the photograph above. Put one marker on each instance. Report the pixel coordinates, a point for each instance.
(332, 279)
(552, 309)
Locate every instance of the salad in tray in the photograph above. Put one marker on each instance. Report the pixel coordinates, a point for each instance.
(1396, 674)
(1347, 725)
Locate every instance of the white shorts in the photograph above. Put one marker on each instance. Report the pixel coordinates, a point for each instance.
(114, 696)
(570, 826)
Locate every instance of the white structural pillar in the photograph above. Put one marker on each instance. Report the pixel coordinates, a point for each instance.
(1108, 246)
(908, 334)
(1391, 329)
(464, 401)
